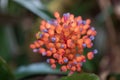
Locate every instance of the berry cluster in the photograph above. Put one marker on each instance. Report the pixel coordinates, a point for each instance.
(64, 39)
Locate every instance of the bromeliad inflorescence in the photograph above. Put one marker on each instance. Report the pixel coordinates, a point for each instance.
(63, 40)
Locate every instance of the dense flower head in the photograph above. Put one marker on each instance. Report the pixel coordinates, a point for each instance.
(63, 40)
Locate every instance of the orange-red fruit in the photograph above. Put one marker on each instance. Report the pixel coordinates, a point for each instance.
(68, 66)
(89, 32)
(46, 35)
(73, 50)
(84, 37)
(54, 50)
(58, 29)
(42, 50)
(43, 22)
(40, 42)
(78, 69)
(42, 27)
(76, 30)
(87, 41)
(32, 46)
(88, 21)
(48, 25)
(58, 45)
(53, 66)
(80, 41)
(78, 18)
(52, 61)
(73, 68)
(74, 37)
(82, 57)
(79, 59)
(60, 61)
(94, 33)
(71, 17)
(56, 14)
(83, 31)
(55, 55)
(69, 43)
(52, 27)
(86, 27)
(70, 56)
(36, 44)
(90, 55)
(51, 32)
(64, 68)
(45, 39)
(49, 53)
(51, 45)
(67, 51)
(89, 45)
(61, 51)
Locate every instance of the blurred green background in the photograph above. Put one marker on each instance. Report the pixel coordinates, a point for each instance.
(20, 20)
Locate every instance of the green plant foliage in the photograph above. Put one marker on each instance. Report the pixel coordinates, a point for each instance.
(5, 72)
(4, 44)
(82, 9)
(82, 76)
(88, 66)
(37, 9)
(36, 68)
(113, 76)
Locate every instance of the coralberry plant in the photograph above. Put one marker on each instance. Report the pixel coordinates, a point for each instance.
(63, 41)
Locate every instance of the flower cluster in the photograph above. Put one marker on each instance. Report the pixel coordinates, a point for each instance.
(63, 40)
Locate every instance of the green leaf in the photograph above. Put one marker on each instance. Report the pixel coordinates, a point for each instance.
(88, 66)
(4, 44)
(82, 76)
(36, 7)
(82, 9)
(36, 68)
(5, 72)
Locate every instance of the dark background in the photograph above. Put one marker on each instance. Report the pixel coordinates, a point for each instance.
(20, 20)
